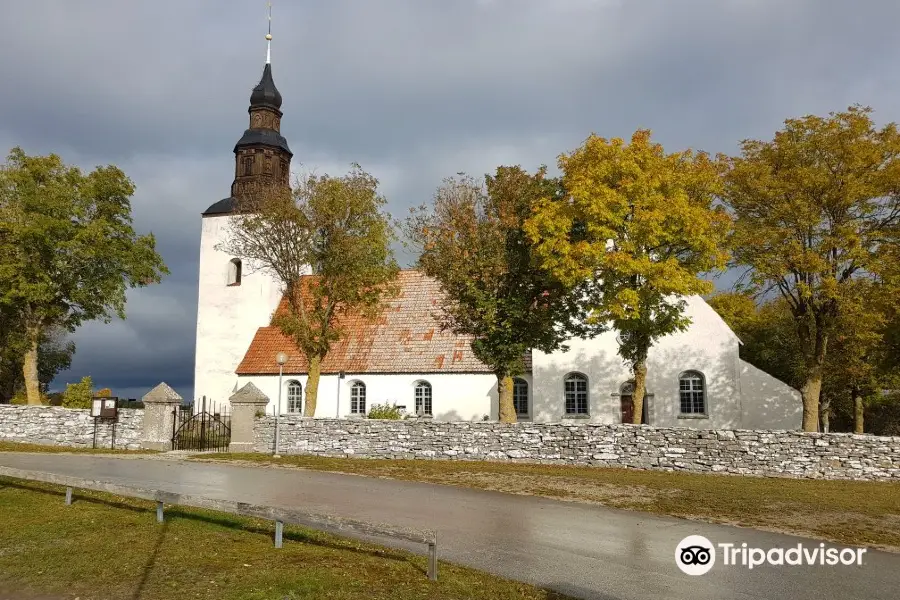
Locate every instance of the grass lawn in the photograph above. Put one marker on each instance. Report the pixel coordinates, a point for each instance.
(22, 447)
(108, 547)
(851, 512)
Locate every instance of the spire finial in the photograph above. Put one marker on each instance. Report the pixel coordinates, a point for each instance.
(269, 37)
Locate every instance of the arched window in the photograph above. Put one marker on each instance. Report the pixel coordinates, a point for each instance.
(520, 397)
(294, 397)
(234, 271)
(423, 398)
(576, 390)
(692, 391)
(358, 398)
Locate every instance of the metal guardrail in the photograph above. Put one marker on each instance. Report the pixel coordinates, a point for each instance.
(327, 523)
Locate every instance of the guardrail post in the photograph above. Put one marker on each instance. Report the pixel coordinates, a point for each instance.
(159, 512)
(432, 560)
(68, 496)
(279, 530)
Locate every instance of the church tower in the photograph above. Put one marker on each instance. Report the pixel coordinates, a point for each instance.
(234, 299)
(262, 157)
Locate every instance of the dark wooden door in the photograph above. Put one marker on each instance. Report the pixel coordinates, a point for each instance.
(627, 408)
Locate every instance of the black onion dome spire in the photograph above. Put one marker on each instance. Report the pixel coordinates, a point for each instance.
(262, 155)
(263, 132)
(265, 93)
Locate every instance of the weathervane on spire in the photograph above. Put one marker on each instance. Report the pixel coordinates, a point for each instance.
(269, 36)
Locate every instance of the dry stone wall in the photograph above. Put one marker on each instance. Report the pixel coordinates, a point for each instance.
(739, 452)
(56, 426)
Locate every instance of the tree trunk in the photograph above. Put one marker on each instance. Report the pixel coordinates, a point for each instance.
(312, 386)
(505, 392)
(812, 387)
(639, 368)
(859, 413)
(810, 393)
(30, 367)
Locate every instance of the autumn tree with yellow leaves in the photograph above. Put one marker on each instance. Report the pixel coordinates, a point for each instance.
(335, 227)
(494, 291)
(817, 211)
(635, 231)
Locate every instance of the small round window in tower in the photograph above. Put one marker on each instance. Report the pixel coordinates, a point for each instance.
(234, 272)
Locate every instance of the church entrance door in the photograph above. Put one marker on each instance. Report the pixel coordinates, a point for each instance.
(626, 408)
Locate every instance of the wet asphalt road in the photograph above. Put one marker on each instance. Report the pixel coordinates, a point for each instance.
(582, 550)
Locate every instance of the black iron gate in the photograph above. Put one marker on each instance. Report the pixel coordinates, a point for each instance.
(206, 426)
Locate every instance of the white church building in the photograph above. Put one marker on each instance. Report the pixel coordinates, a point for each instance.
(694, 378)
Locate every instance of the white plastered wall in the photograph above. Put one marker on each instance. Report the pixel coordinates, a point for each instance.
(768, 402)
(227, 316)
(455, 397)
(707, 346)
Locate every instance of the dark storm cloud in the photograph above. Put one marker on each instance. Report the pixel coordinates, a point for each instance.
(414, 90)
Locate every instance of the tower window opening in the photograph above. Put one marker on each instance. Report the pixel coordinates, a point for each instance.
(234, 272)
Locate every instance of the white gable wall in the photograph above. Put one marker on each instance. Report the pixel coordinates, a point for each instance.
(768, 403)
(227, 316)
(707, 346)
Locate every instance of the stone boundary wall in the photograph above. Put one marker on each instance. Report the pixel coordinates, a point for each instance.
(74, 427)
(739, 452)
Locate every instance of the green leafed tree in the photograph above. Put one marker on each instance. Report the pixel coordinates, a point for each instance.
(636, 230)
(10, 355)
(79, 395)
(473, 242)
(68, 251)
(858, 367)
(817, 208)
(334, 228)
(51, 360)
(55, 352)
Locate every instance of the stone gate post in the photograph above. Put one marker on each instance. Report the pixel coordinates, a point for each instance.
(159, 403)
(245, 403)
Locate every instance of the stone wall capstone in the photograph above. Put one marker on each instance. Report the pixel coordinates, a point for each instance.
(74, 427)
(740, 452)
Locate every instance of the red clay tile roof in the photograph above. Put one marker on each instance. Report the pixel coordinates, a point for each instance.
(405, 338)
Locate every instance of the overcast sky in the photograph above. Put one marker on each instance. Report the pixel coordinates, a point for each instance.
(413, 90)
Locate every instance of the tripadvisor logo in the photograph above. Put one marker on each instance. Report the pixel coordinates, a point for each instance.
(696, 555)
